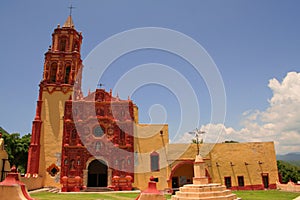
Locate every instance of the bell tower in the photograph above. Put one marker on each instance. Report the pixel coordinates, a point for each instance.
(62, 61)
(62, 73)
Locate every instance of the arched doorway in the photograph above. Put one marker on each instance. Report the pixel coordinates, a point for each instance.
(97, 174)
(182, 174)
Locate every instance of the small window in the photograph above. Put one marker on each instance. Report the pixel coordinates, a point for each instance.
(74, 134)
(53, 71)
(72, 165)
(101, 112)
(98, 146)
(62, 46)
(122, 136)
(76, 46)
(53, 170)
(228, 182)
(67, 74)
(154, 159)
(241, 181)
(98, 131)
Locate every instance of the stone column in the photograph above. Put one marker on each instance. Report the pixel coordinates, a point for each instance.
(85, 177)
(199, 172)
(109, 176)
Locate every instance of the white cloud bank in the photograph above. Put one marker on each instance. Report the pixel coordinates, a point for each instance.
(280, 122)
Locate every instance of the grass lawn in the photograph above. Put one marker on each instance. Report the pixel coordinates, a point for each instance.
(86, 196)
(245, 195)
(266, 194)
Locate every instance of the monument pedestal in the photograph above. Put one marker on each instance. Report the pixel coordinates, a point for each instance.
(201, 189)
(151, 193)
(12, 188)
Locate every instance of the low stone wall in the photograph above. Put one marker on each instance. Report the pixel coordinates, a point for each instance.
(32, 183)
(290, 186)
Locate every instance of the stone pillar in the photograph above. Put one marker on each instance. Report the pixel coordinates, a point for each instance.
(85, 177)
(109, 176)
(199, 172)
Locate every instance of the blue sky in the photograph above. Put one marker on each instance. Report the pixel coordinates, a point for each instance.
(251, 42)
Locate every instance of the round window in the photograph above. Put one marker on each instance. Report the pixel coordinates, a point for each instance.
(98, 131)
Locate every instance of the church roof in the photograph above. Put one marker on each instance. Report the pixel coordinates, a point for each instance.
(69, 22)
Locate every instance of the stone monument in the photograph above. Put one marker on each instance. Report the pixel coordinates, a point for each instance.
(201, 189)
(12, 188)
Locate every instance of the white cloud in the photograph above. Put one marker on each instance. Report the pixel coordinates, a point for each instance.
(280, 122)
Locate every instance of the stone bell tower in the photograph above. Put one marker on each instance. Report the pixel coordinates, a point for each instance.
(62, 72)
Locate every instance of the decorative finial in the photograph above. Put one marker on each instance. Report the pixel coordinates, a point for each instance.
(13, 169)
(71, 8)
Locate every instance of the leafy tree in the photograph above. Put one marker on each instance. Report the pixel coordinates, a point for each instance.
(288, 171)
(194, 141)
(17, 149)
(231, 141)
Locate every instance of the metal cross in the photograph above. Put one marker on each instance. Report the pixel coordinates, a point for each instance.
(71, 8)
(100, 85)
(197, 134)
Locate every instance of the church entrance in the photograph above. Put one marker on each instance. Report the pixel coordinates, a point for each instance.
(97, 174)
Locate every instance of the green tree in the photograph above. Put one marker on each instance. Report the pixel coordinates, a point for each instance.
(288, 171)
(194, 141)
(231, 141)
(17, 149)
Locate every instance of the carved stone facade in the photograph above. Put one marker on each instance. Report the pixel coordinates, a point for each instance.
(98, 130)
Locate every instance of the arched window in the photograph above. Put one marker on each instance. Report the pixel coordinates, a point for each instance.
(53, 71)
(63, 44)
(67, 73)
(98, 146)
(74, 134)
(122, 137)
(154, 161)
(76, 46)
(72, 165)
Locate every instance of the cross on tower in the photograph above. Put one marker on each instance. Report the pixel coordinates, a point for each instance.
(100, 85)
(71, 8)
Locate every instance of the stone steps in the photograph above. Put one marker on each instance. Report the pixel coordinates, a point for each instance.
(54, 190)
(204, 192)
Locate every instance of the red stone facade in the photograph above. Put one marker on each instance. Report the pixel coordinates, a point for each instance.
(102, 128)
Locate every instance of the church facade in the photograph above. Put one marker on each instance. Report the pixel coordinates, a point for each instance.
(97, 141)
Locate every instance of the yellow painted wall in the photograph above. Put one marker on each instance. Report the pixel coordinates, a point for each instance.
(147, 140)
(51, 133)
(32, 183)
(238, 154)
(231, 158)
(136, 113)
